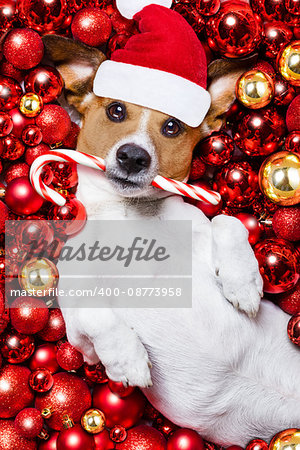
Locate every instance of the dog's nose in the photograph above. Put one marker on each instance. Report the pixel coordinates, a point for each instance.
(133, 158)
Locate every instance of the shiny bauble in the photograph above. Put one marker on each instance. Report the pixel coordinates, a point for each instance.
(208, 7)
(23, 48)
(294, 331)
(206, 207)
(46, 82)
(288, 439)
(15, 392)
(119, 388)
(144, 437)
(31, 104)
(279, 178)
(11, 148)
(234, 31)
(75, 438)
(292, 6)
(102, 441)
(29, 423)
(288, 63)
(8, 15)
(38, 276)
(10, 439)
(16, 347)
(65, 175)
(292, 142)
(252, 225)
(32, 135)
(257, 444)
(118, 434)
(10, 93)
(19, 122)
(216, 150)
(275, 36)
(49, 444)
(93, 421)
(269, 10)
(44, 357)
(284, 93)
(35, 234)
(44, 16)
(185, 439)
(73, 213)
(95, 373)
(255, 89)
(41, 380)
(28, 315)
(6, 124)
(21, 198)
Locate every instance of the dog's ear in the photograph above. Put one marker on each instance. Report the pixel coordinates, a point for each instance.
(222, 77)
(77, 64)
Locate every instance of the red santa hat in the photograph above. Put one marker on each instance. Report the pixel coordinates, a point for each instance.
(163, 67)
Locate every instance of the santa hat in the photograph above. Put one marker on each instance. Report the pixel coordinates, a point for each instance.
(163, 67)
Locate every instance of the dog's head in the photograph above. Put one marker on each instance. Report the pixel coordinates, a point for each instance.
(137, 143)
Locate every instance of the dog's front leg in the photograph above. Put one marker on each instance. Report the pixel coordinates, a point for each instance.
(236, 265)
(101, 335)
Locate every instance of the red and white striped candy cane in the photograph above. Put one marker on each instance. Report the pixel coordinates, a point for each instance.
(95, 162)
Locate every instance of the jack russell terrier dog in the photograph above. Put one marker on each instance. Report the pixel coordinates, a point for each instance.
(225, 367)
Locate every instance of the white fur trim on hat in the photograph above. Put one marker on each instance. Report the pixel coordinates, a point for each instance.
(128, 8)
(155, 89)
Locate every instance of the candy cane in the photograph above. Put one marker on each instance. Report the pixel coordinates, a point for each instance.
(95, 162)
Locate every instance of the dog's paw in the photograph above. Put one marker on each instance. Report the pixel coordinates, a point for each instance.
(246, 298)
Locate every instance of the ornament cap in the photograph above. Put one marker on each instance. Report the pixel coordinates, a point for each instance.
(67, 422)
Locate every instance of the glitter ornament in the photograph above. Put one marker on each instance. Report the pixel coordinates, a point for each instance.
(198, 169)
(29, 423)
(31, 105)
(6, 124)
(286, 439)
(38, 276)
(286, 223)
(23, 48)
(70, 140)
(41, 380)
(292, 142)
(68, 357)
(46, 82)
(216, 150)
(275, 36)
(294, 332)
(91, 26)
(289, 63)
(28, 315)
(10, 93)
(283, 92)
(16, 171)
(44, 357)
(289, 301)
(255, 89)
(144, 437)
(93, 421)
(293, 115)
(34, 152)
(11, 148)
(8, 70)
(54, 123)
(10, 439)
(14, 390)
(55, 328)
(44, 16)
(279, 178)
(32, 135)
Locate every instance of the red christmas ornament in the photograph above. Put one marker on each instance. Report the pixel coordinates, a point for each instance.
(44, 357)
(207, 208)
(260, 132)
(16, 171)
(65, 175)
(8, 70)
(237, 184)
(293, 115)
(69, 395)
(234, 31)
(21, 198)
(16, 347)
(3, 216)
(35, 234)
(278, 265)
(11, 148)
(44, 16)
(55, 328)
(71, 140)
(292, 142)
(32, 135)
(120, 389)
(143, 437)
(102, 441)
(265, 67)
(284, 92)
(185, 439)
(29, 423)
(292, 6)
(208, 7)
(235, 447)
(253, 226)
(75, 438)
(28, 315)
(55, 124)
(8, 15)
(45, 81)
(289, 301)
(198, 169)
(118, 434)
(191, 15)
(217, 149)
(68, 357)
(50, 444)
(10, 439)
(73, 212)
(276, 35)
(286, 223)
(34, 152)
(23, 48)
(95, 373)
(257, 444)
(15, 392)
(41, 380)
(122, 411)
(19, 122)
(269, 9)
(294, 329)
(117, 41)
(6, 124)
(10, 93)
(91, 26)
(77, 5)
(165, 426)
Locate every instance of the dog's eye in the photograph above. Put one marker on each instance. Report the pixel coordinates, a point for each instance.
(172, 128)
(116, 112)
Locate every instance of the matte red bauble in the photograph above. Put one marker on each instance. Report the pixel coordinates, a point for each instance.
(15, 392)
(28, 315)
(55, 328)
(16, 347)
(73, 212)
(234, 31)
(294, 329)
(10, 93)
(216, 150)
(120, 389)
(69, 395)
(237, 183)
(8, 15)
(293, 115)
(29, 423)
(41, 380)
(260, 132)
(91, 26)
(11, 148)
(49, 444)
(10, 439)
(269, 9)
(32, 135)
(122, 411)
(278, 265)
(6, 124)
(185, 439)
(19, 121)
(16, 171)
(65, 175)
(45, 81)
(208, 7)
(284, 92)
(23, 48)
(75, 438)
(44, 16)
(55, 124)
(292, 142)
(144, 437)
(257, 444)
(289, 301)
(275, 36)
(34, 152)
(21, 198)
(45, 357)
(102, 441)
(286, 223)
(68, 357)
(253, 226)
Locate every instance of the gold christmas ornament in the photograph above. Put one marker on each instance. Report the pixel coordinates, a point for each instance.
(289, 63)
(279, 178)
(93, 421)
(286, 440)
(39, 277)
(31, 104)
(255, 89)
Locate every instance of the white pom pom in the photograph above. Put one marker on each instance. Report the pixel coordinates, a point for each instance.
(128, 8)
